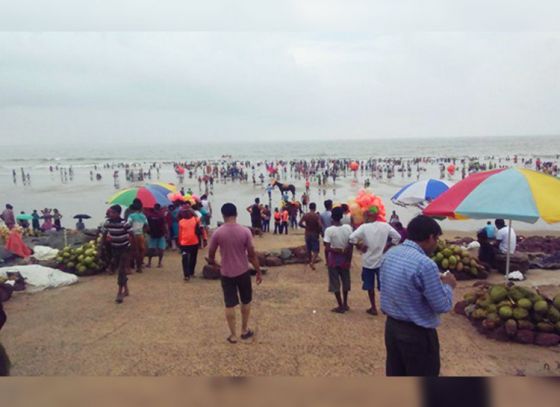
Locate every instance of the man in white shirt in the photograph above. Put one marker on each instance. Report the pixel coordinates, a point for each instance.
(502, 237)
(371, 239)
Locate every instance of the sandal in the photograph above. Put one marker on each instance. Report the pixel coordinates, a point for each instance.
(230, 340)
(372, 311)
(338, 310)
(247, 334)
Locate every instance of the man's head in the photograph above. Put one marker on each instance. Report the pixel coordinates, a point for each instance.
(345, 208)
(488, 223)
(157, 207)
(115, 212)
(425, 231)
(482, 236)
(328, 204)
(312, 206)
(337, 214)
(500, 223)
(8, 206)
(229, 211)
(257, 201)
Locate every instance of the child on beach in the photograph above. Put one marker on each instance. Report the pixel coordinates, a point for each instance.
(277, 222)
(118, 233)
(139, 224)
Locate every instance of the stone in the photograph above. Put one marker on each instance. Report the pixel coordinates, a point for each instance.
(547, 339)
(300, 252)
(211, 272)
(285, 254)
(525, 336)
(273, 261)
(460, 307)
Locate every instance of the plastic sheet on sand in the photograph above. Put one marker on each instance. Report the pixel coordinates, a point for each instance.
(38, 278)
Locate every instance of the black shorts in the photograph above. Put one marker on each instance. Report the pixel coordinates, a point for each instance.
(232, 285)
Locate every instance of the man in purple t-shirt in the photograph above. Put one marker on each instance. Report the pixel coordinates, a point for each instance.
(236, 251)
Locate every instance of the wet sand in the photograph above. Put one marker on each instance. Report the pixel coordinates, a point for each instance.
(168, 327)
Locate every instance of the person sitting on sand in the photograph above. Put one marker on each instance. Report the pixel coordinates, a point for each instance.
(486, 252)
(236, 250)
(338, 252)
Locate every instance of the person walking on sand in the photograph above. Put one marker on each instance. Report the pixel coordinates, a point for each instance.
(338, 252)
(326, 218)
(118, 233)
(371, 239)
(311, 221)
(139, 224)
(236, 250)
(413, 296)
(191, 236)
(157, 231)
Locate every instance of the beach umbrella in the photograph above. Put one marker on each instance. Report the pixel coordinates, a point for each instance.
(24, 216)
(82, 216)
(419, 192)
(511, 193)
(149, 195)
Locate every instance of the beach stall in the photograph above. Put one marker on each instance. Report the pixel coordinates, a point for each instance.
(513, 194)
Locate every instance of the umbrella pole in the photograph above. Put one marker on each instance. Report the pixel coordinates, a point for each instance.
(508, 251)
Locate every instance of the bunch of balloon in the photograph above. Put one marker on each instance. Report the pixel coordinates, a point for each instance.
(366, 202)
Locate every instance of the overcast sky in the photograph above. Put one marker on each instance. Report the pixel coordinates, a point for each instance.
(308, 70)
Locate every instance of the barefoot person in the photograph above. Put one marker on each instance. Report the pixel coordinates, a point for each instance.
(157, 231)
(311, 221)
(118, 233)
(338, 252)
(371, 239)
(413, 296)
(236, 250)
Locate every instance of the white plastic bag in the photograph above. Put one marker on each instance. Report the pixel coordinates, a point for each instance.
(44, 253)
(38, 278)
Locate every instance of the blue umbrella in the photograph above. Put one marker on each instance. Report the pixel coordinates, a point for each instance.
(420, 192)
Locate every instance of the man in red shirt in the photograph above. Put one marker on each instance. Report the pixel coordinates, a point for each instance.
(236, 251)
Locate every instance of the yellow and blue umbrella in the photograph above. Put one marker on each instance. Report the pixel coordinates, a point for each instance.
(512, 193)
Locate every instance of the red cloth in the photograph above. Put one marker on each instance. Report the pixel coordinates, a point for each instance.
(15, 245)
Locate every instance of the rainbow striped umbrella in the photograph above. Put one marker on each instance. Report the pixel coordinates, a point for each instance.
(512, 193)
(149, 194)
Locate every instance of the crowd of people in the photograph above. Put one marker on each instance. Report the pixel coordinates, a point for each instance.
(51, 219)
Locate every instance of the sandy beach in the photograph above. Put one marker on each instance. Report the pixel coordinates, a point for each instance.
(168, 327)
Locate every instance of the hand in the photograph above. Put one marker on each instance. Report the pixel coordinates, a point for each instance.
(259, 277)
(449, 279)
(204, 243)
(212, 262)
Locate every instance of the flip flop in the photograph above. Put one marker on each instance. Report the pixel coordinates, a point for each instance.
(247, 334)
(231, 340)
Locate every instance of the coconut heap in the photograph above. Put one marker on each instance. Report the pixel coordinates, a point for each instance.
(83, 260)
(458, 261)
(513, 313)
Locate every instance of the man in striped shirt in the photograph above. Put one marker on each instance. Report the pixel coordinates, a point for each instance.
(118, 233)
(413, 294)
